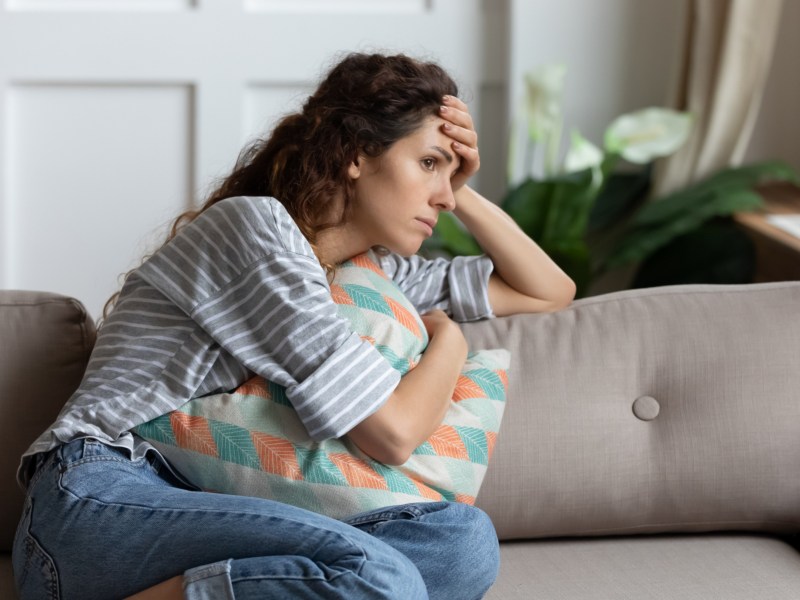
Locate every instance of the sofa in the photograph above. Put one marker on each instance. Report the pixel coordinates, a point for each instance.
(650, 447)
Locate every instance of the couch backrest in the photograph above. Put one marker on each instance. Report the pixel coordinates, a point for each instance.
(654, 410)
(45, 342)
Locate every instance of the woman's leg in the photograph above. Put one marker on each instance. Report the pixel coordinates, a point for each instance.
(97, 525)
(453, 545)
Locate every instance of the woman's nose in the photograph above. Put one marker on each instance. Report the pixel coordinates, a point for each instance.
(444, 198)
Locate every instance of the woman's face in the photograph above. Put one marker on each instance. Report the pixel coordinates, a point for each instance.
(399, 195)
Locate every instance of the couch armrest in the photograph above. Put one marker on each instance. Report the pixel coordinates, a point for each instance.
(664, 409)
(45, 342)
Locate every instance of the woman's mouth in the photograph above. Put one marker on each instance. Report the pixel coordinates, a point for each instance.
(428, 225)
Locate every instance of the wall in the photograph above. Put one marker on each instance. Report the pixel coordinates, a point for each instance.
(620, 55)
(115, 115)
(777, 130)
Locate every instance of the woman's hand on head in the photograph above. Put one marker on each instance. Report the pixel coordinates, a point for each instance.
(459, 127)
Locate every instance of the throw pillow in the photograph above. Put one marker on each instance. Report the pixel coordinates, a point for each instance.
(251, 441)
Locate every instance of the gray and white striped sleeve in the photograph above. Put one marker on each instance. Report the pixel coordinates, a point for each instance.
(459, 287)
(243, 275)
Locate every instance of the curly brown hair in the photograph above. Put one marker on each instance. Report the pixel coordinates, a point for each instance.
(365, 104)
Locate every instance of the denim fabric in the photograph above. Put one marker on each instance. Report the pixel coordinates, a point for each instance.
(98, 525)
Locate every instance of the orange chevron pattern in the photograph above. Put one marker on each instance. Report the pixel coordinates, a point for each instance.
(466, 388)
(193, 433)
(357, 472)
(340, 296)
(276, 455)
(503, 375)
(405, 318)
(445, 441)
(427, 491)
(363, 261)
(255, 386)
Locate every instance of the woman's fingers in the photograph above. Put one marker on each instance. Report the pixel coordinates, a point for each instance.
(466, 136)
(459, 127)
(458, 111)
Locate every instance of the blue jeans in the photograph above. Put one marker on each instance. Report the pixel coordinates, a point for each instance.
(97, 524)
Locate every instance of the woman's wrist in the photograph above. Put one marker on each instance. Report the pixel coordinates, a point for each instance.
(448, 336)
(467, 200)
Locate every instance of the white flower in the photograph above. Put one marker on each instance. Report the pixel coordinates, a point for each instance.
(641, 136)
(543, 89)
(543, 99)
(582, 154)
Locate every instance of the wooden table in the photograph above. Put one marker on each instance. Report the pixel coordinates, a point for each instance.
(777, 251)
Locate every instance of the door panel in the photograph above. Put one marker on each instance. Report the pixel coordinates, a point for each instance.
(117, 114)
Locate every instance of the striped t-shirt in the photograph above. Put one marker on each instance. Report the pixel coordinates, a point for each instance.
(240, 292)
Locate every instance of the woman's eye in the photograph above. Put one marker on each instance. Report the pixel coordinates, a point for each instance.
(429, 163)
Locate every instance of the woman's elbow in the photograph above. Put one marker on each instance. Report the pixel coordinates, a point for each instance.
(382, 440)
(394, 457)
(567, 290)
(388, 454)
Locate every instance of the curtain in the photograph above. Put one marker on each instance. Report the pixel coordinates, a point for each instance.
(723, 71)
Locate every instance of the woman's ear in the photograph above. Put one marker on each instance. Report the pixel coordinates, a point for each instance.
(354, 170)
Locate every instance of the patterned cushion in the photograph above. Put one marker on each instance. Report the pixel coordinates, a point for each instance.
(251, 441)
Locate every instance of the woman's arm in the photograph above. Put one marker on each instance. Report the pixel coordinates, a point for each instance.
(525, 278)
(419, 403)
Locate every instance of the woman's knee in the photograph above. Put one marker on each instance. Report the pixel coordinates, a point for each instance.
(475, 552)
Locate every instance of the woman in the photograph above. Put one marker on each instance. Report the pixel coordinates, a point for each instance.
(240, 288)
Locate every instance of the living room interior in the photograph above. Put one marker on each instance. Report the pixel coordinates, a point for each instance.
(650, 427)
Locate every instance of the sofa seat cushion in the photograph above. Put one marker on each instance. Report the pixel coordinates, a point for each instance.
(689, 567)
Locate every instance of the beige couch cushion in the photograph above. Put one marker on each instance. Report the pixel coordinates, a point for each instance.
(40, 333)
(721, 368)
(733, 567)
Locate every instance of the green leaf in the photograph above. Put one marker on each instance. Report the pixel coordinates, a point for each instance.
(159, 430)
(574, 258)
(317, 467)
(489, 382)
(278, 394)
(396, 480)
(368, 298)
(722, 194)
(425, 448)
(399, 363)
(640, 242)
(235, 444)
(717, 252)
(571, 204)
(451, 238)
(556, 208)
(528, 204)
(474, 440)
(721, 183)
(620, 194)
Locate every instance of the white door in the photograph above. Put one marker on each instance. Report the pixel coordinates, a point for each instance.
(117, 114)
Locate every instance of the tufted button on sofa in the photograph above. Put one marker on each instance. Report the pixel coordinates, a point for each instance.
(650, 447)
